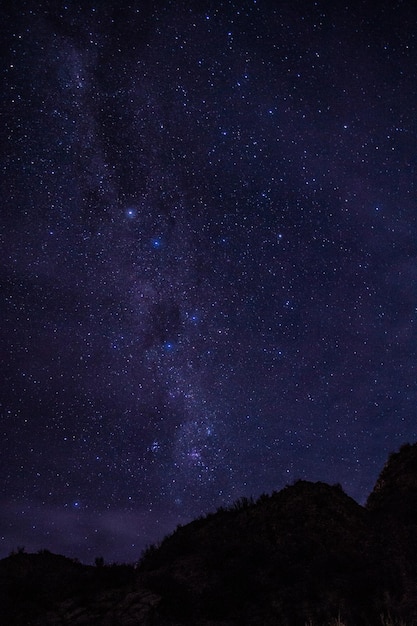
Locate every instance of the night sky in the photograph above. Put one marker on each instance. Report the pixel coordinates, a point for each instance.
(208, 261)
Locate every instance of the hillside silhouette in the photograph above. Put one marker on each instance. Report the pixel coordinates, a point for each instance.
(308, 554)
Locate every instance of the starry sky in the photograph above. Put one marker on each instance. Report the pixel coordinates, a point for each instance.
(208, 262)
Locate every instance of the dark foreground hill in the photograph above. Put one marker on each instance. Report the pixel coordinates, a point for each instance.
(308, 554)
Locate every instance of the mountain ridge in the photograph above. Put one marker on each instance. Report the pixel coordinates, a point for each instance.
(308, 554)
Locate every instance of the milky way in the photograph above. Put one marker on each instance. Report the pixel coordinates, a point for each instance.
(208, 259)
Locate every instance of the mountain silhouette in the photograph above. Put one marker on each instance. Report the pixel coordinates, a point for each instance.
(307, 554)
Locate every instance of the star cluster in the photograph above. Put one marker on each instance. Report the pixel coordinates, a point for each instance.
(208, 259)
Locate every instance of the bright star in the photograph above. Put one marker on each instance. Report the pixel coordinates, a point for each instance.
(156, 243)
(131, 213)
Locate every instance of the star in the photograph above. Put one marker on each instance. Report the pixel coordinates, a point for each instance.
(131, 213)
(156, 243)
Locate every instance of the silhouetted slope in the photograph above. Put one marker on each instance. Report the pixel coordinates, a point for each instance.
(300, 554)
(308, 554)
(393, 508)
(33, 585)
(29, 583)
(395, 492)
